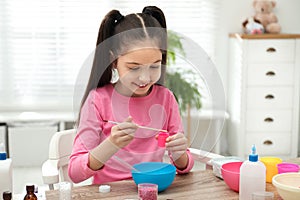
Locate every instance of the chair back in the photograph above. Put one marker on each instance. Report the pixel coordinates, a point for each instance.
(60, 149)
(55, 169)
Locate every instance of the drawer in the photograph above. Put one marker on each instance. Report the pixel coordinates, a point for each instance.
(269, 120)
(270, 74)
(270, 97)
(269, 144)
(271, 50)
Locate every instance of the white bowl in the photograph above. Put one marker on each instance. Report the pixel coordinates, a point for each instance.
(287, 185)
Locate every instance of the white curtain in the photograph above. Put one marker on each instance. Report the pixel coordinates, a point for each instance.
(43, 43)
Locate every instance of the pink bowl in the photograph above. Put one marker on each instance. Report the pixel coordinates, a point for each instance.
(287, 167)
(231, 174)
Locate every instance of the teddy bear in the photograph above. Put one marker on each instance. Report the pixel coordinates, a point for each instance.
(264, 14)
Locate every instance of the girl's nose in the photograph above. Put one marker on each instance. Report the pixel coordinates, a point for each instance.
(144, 76)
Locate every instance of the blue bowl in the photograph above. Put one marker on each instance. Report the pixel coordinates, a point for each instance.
(159, 173)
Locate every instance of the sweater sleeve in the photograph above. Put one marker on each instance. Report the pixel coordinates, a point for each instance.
(78, 168)
(87, 138)
(189, 165)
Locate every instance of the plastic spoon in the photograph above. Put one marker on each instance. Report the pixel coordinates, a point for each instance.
(144, 127)
(124, 163)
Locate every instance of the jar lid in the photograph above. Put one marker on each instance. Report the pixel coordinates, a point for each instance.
(3, 156)
(7, 195)
(30, 188)
(104, 188)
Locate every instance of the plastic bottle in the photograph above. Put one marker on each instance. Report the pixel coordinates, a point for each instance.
(252, 176)
(7, 195)
(5, 171)
(30, 193)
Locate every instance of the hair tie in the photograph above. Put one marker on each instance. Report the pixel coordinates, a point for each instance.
(118, 18)
(148, 12)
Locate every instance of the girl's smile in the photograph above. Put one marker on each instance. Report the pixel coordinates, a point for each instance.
(138, 71)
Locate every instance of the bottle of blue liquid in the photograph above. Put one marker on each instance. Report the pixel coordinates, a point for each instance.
(5, 171)
(252, 176)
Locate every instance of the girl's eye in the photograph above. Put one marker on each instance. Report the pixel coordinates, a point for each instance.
(134, 68)
(154, 66)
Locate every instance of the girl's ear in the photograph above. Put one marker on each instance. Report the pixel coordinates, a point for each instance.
(114, 64)
(113, 59)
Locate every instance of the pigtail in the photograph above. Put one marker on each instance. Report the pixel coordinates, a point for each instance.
(157, 14)
(108, 24)
(101, 72)
(102, 60)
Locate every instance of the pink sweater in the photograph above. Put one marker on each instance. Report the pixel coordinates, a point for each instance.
(159, 109)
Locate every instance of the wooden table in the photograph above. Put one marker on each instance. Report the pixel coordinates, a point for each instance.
(195, 185)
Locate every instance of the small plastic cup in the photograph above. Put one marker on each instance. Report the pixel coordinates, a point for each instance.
(147, 191)
(161, 139)
(271, 167)
(262, 195)
(287, 167)
(65, 190)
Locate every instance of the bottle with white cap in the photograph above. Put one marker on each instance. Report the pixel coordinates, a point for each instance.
(104, 188)
(252, 176)
(5, 171)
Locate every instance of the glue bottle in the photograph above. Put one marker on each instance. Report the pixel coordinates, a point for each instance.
(252, 176)
(5, 171)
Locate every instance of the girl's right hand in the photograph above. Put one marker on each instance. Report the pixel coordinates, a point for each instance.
(122, 134)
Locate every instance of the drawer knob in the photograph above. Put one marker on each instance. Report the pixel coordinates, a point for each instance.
(268, 119)
(269, 96)
(270, 73)
(271, 50)
(268, 142)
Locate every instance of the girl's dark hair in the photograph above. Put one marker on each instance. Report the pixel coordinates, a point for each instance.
(150, 24)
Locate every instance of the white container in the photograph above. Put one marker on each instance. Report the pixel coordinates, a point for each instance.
(5, 171)
(252, 176)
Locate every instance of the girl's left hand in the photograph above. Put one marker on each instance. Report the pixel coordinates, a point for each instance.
(177, 144)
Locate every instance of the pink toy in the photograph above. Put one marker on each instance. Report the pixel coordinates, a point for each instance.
(161, 139)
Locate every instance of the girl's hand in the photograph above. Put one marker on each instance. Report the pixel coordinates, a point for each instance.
(177, 143)
(123, 133)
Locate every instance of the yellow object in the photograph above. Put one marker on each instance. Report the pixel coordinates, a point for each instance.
(271, 167)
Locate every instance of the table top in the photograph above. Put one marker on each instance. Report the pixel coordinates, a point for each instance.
(194, 185)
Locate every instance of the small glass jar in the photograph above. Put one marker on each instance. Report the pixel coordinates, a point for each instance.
(7, 195)
(65, 190)
(263, 195)
(147, 191)
(30, 193)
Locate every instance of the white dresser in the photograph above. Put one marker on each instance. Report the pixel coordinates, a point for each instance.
(263, 94)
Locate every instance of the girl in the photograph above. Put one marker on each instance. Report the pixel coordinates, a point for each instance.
(134, 46)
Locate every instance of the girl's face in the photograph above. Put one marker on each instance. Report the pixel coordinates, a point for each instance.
(138, 71)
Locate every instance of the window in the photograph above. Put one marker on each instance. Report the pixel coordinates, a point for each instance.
(43, 44)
